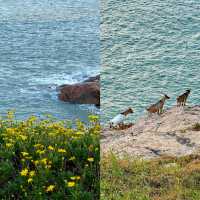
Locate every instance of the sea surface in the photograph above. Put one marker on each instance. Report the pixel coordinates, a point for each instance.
(148, 48)
(44, 44)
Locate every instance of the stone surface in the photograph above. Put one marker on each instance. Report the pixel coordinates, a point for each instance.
(87, 92)
(169, 134)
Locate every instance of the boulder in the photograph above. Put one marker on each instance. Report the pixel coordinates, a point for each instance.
(87, 92)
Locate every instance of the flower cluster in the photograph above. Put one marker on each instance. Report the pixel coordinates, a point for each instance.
(43, 158)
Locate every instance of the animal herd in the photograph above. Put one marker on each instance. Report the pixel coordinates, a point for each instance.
(181, 100)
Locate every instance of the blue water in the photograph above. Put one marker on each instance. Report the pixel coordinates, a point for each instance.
(149, 48)
(44, 44)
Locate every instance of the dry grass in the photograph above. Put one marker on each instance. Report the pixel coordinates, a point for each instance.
(166, 178)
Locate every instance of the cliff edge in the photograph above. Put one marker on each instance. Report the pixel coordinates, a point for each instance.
(174, 133)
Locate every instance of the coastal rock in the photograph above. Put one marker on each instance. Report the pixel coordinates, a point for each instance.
(175, 133)
(87, 92)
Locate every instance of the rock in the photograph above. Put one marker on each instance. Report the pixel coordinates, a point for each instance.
(87, 92)
(174, 133)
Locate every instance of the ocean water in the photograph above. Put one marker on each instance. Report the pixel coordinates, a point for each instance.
(44, 44)
(148, 48)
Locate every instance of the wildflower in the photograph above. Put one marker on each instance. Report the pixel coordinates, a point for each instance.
(30, 180)
(23, 137)
(44, 161)
(90, 159)
(48, 166)
(40, 151)
(32, 173)
(61, 151)
(10, 130)
(50, 188)
(52, 134)
(10, 115)
(39, 146)
(24, 153)
(50, 148)
(9, 145)
(71, 184)
(24, 172)
(72, 158)
(93, 118)
(36, 162)
(75, 178)
(80, 133)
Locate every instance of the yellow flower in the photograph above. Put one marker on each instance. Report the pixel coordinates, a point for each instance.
(50, 188)
(80, 133)
(72, 158)
(10, 115)
(75, 178)
(71, 184)
(24, 154)
(23, 137)
(29, 180)
(90, 159)
(61, 151)
(32, 173)
(44, 161)
(36, 162)
(9, 145)
(93, 118)
(24, 172)
(10, 130)
(50, 148)
(40, 151)
(39, 146)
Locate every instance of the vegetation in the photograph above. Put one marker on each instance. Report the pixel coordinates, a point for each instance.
(166, 178)
(196, 127)
(49, 159)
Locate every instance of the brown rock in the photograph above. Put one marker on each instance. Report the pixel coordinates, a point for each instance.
(87, 92)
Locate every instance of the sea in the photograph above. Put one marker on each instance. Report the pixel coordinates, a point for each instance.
(44, 44)
(149, 48)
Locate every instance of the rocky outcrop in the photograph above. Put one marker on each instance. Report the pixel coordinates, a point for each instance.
(87, 92)
(175, 133)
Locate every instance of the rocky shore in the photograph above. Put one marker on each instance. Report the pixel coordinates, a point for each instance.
(175, 133)
(87, 92)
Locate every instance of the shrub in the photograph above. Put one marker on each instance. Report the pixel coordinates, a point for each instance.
(49, 159)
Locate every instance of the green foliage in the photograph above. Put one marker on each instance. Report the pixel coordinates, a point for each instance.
(166, 178)
(48, 159)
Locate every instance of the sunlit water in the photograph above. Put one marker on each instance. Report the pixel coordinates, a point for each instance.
(44, 44)
(148, 48)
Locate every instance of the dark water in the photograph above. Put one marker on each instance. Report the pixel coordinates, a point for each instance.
(44, 44)
(149, 48)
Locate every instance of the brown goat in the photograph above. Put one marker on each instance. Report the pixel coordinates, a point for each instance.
(181, 100)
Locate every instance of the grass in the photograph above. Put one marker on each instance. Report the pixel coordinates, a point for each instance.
(196, 127)
(48, 159)
(166, 178)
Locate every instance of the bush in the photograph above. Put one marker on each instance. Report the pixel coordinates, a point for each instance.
(49, 159)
